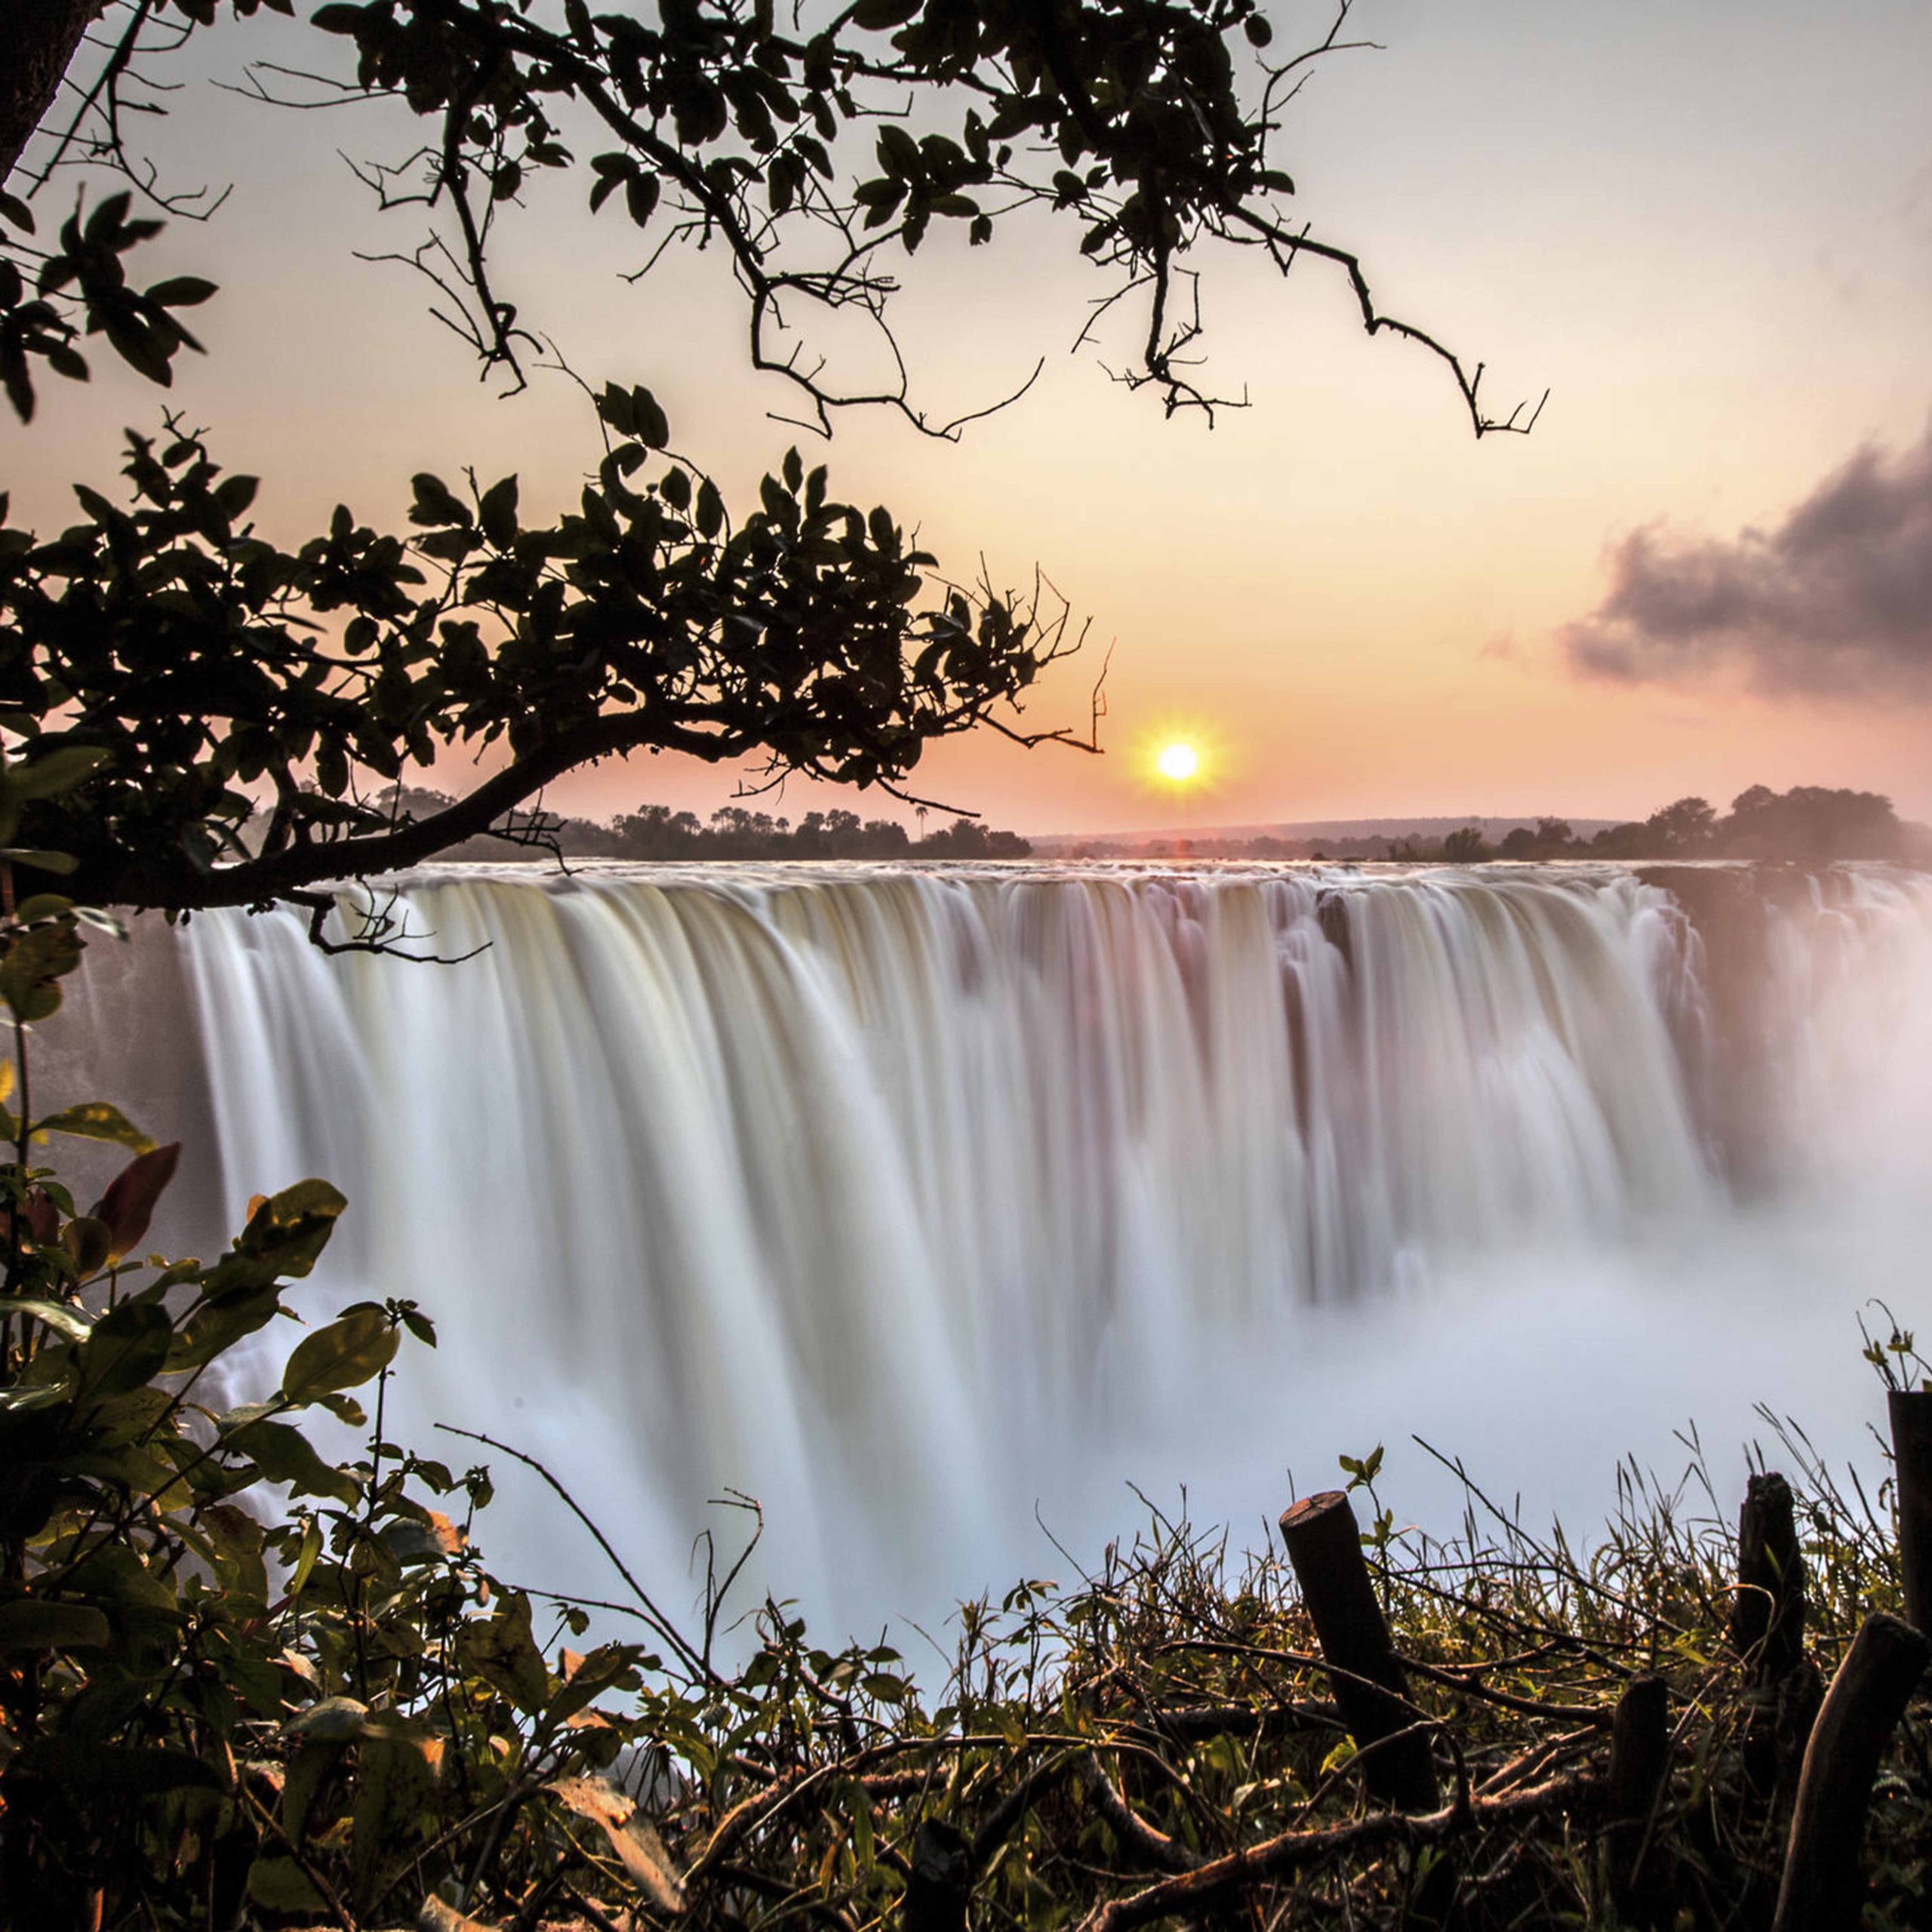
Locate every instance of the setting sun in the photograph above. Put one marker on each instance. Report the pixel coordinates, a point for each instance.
(1178, 761)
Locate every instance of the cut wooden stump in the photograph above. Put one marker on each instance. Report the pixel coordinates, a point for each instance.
(1639, 1763)
(1911, 1411)
(1767, 1614)
(940, 1881)
(1324, 1546)
(1823, 1885)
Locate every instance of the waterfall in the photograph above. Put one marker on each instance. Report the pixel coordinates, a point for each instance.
(890, 1195)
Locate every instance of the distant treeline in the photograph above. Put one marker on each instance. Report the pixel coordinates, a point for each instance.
(657, 833)
(1807, 822)
(1810, 822)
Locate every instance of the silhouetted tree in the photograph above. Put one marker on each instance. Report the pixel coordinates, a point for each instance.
(1811, 822)
(1682, 829)
(214, 674)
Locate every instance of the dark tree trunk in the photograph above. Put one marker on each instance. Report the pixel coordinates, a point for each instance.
(41, 37)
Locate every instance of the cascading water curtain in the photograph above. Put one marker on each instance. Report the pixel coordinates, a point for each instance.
(885, 1195)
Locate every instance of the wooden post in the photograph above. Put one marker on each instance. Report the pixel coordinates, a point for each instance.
(940, 1881)
(1768, 1612)
(1324, 1546)
(1639, 1763)
(1823, 1886)
(1911, 1411)
(1799, 1697)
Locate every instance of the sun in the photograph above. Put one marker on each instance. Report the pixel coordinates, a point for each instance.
(1180, 757)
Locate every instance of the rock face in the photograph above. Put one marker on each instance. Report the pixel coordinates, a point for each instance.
(1767, 943)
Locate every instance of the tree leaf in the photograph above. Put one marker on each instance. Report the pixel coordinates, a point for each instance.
(129, 1203)
(633, 1838)
(58, 863)
(503, 1653)
(182, 291)
(52, 772)
(343, 1355)
(283, 1454)
(96, 1120)
(279, 1884)
(497, 512)
(29, 1623)
(126, 1347)
(334, 1721)
(289, 1230)
(70, 1321)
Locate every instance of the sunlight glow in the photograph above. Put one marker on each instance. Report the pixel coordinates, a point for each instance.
(1179, 762)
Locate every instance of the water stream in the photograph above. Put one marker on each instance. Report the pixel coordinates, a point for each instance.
(912, 1202)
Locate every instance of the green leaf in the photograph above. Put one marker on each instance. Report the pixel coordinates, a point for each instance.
(434, 505)
(216, 1326)
(233, 494)
(33, 966)
(48, 776)
(119, 1771)
(614, 406)
(70, 1321)
(96, 1120)
(343, 1355)
(641, 194)
(87, 1244)
(60, 863)
(291, 1229)
(334, 1721)
(502, 1652)
(279, 1884)
(284, 1454)
(29, 1623)
(126, 1347)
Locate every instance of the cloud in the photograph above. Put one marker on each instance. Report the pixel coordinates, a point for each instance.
(1836, 601)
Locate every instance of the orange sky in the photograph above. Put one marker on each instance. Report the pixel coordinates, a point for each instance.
(1708, 231)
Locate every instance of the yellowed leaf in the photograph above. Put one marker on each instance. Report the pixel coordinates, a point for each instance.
(633, 1838)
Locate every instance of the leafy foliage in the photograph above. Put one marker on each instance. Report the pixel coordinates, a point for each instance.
(250, 699)
(196, 664)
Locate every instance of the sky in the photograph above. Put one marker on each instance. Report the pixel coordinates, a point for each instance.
(1707, 230)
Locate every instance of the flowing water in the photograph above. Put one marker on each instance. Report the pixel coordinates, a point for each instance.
(914, 1201)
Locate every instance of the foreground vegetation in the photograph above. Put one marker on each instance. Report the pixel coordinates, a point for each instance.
(220, 1708)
